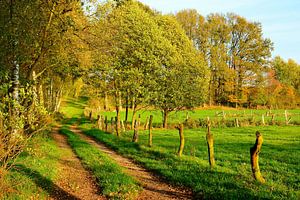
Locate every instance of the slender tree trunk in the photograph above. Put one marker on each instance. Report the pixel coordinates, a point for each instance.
(165, 118)
(181, 136)
(118, 110)
(210, 145)
(133, 117)
(15, 81)
(254, 153)
(150, 130)
(106, 124)
(112, 125)
(105, 101)
(126, 108)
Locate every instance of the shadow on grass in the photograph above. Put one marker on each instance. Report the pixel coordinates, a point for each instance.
(53, 190)
(205, 183)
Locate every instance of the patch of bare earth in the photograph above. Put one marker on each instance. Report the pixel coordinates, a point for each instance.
(74, 181)
(153, 187)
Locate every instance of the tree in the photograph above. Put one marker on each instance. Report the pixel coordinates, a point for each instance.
(182, 80)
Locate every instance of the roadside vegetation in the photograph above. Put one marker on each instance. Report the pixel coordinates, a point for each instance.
(34, 172)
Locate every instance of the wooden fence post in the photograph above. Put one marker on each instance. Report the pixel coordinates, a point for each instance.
(237, 122)
(150, 130)
(210, 145)
(117, 126)
(181, 136)
(122, 125)
(99, 122)
(135, 137)
(106, 124)
(263, 120)
(287, 119)
(254, 152)
(112, 125)
(146, 124)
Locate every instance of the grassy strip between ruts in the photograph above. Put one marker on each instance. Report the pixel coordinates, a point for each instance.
(34, 172)
(226, 181)
(115, 184)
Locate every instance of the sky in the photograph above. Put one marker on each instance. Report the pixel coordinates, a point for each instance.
(280, 19)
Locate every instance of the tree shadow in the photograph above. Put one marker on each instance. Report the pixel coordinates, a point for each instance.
(52, 189)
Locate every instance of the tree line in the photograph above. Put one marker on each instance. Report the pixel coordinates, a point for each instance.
(140, 57)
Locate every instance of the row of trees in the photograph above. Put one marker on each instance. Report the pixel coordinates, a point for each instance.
(173, 62)
(138, 56)
(40, 51)
(238, 56)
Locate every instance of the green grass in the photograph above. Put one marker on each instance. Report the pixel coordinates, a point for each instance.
(115, 184)
(214, 114)
(35, 170)
(232, 178)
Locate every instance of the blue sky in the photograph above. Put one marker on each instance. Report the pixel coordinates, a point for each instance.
(280, 19)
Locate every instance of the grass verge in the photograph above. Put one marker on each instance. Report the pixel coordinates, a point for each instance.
(34, 172)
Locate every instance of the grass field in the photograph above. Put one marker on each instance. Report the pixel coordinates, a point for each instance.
(232, 178)
(215, 114)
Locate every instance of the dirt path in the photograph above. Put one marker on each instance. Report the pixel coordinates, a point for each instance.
(74, 181)
(153, 187)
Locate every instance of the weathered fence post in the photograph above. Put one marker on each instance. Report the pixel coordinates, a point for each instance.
(122, 125)
(91, 115)
(263, 120)
(210, 145)
(146, 124)
(181, 136)
(106, 124)
(135, 137)
(273, 119)
(237, 122)
(117, 127)
(287, 119)
(254, 152)
(150, 130)
(99, 122)
(112, 125)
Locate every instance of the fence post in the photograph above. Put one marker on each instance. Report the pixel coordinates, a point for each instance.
(210, 145)
(181, 136)
(150, 130)
(254, 152)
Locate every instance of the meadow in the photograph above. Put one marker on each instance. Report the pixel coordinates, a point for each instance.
(232, 177)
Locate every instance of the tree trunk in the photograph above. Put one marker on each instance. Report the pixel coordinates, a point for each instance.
(105, 101)
(126, 108)
(15, 81)
(150, 130)
(106, 124)
(133, 117)
(210, 145)
(181, 136)
(118, 110)
(165, 118)
(112, 125)
(254, 153)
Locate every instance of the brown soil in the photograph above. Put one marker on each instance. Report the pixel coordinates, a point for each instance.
(153, 187)
(74, 182)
